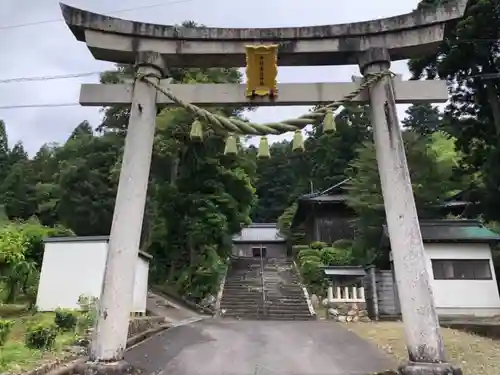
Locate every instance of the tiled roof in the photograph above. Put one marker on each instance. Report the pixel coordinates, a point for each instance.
(454, 231)
(260, 232)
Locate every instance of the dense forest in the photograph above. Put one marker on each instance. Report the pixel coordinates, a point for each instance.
(198, 197)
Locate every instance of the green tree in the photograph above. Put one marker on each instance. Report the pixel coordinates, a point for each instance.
(17, 154)
(287, 175)
(4, 152)
(275, 182)
(329, 155)
(469, 59)
(423, 119)
(84, 193)
(431, 161)
(14, 268)
(19, 197)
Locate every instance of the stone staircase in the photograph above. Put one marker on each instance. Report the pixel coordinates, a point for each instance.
(283, 297)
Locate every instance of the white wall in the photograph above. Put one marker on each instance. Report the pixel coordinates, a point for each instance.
(463, 297)
(141, 285)
(70, 269)
(74, 268)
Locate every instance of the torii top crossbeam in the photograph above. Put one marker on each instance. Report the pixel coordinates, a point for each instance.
(405, 36)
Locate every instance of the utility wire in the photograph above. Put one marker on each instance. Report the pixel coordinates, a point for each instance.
(87, 74)
(48, 105)
(52, 105)
(111, 12)
(47, 78)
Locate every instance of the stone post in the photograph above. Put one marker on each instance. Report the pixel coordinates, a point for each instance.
(329, 294)
(423, 338)
(372, 278)
(115, 303)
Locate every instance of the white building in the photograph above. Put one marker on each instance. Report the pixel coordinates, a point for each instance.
(74, 266)
(459, 262)
(257, 239)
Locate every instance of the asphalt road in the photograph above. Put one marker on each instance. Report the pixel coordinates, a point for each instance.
(228, 347)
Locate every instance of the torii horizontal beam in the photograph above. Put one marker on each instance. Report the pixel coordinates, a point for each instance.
(205, 95)
(405, 36)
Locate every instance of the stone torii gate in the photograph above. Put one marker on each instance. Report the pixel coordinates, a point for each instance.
(372, 45)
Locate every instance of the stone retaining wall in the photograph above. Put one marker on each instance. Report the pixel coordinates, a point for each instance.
(138, 325)
(348, 312)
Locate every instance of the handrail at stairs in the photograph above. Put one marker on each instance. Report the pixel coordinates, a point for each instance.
(262, 281)
(220, 292)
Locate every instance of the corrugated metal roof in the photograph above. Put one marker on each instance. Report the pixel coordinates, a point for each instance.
(329, 198)
(262, 232)
(454, 231)
(344, 271)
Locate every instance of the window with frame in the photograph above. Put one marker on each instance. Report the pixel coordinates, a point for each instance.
(461, 269)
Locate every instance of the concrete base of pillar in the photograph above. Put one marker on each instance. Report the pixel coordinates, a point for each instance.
(107, 368)
(414, 368)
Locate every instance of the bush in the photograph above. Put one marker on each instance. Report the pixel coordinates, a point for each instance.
(40, 336)
(65, 319)
(343, 244)
(318, 245)
(336, 257)
(5, 328)
(88, 317)
(308, 253)
(296, 249)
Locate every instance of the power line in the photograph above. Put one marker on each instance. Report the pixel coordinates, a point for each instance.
(87, 74)
(47, 78)
(53, 105)
(48, 105)
(111, 12)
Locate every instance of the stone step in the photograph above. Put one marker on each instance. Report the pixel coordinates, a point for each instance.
(232, 300)
(254, 304)
(242, 287)
(286, 302)
(241, 301)
(270, 307)
(278, 295)
(241, 293)
(302, 306)
(242, 284)
(241, 312)
(269, 301)
(288, 313)
(269, 317)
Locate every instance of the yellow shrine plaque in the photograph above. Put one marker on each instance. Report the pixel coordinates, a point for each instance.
(262, 70)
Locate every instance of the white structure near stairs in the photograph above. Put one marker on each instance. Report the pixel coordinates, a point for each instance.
(74, 266)
(347, 294)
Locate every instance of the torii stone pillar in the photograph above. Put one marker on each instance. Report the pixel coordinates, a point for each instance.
(116, 299)
(423, 338)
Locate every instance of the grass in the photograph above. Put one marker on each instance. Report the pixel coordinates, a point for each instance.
(16, 357)
(475, 355)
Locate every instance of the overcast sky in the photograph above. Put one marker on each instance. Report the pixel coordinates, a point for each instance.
(49, 48)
